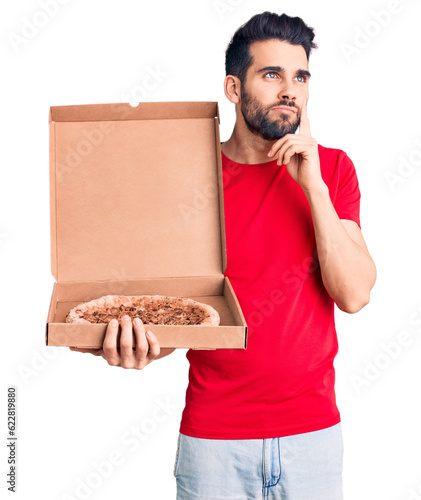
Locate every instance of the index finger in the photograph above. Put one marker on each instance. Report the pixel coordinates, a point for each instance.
(304, 121)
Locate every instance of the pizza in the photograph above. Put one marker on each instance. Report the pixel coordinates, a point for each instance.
(151, 309)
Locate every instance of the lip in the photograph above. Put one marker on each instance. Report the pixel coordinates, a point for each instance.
(285, 109)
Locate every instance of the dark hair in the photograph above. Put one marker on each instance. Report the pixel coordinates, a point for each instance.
(265, 26)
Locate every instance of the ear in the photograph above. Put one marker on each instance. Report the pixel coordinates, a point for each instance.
(232, 88)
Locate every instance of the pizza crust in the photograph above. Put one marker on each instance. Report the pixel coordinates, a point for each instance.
(151, 309)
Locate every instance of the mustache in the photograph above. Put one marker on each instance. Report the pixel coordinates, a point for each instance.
(289, 104)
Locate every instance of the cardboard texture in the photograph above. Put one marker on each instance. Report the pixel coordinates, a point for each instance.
(136, 204)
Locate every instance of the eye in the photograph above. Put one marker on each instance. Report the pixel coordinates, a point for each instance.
(304, 78)
(271, 73)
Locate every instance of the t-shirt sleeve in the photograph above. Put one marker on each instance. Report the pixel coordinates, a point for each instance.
(348, 196)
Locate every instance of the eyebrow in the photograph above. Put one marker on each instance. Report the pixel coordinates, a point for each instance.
(279, 69)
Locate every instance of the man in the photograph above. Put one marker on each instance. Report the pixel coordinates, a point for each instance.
(263, 422)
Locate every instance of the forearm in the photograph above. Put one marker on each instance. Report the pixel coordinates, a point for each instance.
(347, 270)
(164, 352)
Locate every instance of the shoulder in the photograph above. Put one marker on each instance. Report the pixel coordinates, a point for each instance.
(334, 161)
(331, 155)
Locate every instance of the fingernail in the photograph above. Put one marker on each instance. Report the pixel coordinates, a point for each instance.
(126, 318)
(137, 321)
(149, 334)
(113, 322)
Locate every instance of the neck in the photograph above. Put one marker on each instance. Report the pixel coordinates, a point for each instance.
(245, 147)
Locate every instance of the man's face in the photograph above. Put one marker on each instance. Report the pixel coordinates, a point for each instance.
(278, 77)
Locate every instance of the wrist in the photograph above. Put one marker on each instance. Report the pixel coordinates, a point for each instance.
(317, 191)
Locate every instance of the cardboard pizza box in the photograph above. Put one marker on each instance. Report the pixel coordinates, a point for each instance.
(136, 205)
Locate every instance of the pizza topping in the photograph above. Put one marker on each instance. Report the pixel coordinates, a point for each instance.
(152, 310)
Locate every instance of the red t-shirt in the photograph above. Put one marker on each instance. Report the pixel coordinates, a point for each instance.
(283, 383)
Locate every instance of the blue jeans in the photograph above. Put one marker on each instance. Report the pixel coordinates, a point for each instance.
(304, 466)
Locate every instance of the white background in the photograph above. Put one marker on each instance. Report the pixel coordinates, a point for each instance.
(74, 410)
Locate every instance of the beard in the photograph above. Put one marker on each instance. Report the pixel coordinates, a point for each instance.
(258, 121)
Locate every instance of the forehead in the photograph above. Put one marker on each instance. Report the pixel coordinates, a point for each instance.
(277, 53)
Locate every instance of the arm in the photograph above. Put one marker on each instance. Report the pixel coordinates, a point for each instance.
(347, 269)
(164, 352)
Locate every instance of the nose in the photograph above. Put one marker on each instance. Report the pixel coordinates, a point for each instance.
(287, 91)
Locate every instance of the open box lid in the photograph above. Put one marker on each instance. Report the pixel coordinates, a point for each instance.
(136, 192)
